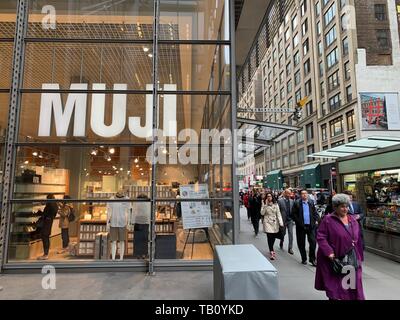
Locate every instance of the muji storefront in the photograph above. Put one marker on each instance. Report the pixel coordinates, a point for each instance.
(125, 107)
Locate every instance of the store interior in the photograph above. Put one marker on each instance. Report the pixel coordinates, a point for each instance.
(91, 169)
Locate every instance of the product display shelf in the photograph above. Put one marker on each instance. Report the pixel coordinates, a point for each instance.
(87, 236)
(25, 242)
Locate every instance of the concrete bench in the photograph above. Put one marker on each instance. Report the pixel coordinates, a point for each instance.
(241, 272)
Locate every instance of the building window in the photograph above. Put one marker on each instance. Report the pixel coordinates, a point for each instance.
(333, 81)
(337, 144)
(295, 22)
(306, 47)
(288, 52)
(336, 127)
(310, 132)
(289, 87)
(353, 138)
(334, 102)
(296, 40)
(307, 67)
(303, 8)
(287, 35)
(317, 9)
(383, 38)
(296, 59)
(300, 155)
(349, 93)
(324, 132)
(285, 161)
(321, 69)
(304, 28)
(310, 150)
(298, 95)
(308, 88)
(332, 58)
(309, 107)
(345, 45)
(330, 14)
(319, 31)
(320, 48)
(292, 159)
(330, 37)
(322, 89)
(300, 136)
(347, 70)
(297, 78)
(278, 163)
(350, 119)
(380, 12)
(288, 69)
(291, 140)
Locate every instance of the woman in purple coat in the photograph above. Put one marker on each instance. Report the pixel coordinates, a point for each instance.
(337, 234)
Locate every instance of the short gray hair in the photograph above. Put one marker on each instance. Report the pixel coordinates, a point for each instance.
(340, 199)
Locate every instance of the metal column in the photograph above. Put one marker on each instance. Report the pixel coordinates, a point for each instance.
(155, 140)
(12, 129)
(235, 183)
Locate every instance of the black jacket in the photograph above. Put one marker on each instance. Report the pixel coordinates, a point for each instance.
(49, 213)
(298, 216)
(255, 206)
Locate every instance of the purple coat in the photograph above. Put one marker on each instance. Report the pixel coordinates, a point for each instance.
(332, 237)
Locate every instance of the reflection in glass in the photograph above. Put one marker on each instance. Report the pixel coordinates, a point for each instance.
(129, 19)
(195, 67)
(195, 20)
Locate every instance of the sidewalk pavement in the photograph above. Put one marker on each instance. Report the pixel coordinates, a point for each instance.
(296, 281)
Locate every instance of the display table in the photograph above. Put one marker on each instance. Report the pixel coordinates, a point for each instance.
(241, 272)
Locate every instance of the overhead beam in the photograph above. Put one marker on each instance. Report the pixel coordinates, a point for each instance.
(267, 124)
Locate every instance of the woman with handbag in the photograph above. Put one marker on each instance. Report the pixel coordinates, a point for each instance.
(340, 251)
(272, 222)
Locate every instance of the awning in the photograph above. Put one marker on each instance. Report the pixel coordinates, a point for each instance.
(274, 180)
(357, 147)
(311, 176)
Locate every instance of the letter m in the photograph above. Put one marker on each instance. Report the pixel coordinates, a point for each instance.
(52, 102)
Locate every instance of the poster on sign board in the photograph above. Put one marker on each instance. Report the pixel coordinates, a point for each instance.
(195, 215)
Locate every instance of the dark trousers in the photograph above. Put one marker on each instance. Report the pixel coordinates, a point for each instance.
(140, 239)
(256, 223)
(65, 237)
(248, 213)
(301, 233)
(46, 244)
(271, 241)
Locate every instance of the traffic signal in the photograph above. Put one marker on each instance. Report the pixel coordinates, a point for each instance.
(298, 112)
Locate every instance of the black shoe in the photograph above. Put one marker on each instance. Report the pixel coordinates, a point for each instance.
(291, 251)
(313, 263)
(304, 262)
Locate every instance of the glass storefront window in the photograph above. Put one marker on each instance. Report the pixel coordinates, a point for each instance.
(195, 20)
(195, 67)
(379, 194)
(131, 19)
(85, 130)
(64, 64)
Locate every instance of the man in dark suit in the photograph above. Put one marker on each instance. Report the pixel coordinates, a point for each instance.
(357, 211)
(306, 218)
(286, 207)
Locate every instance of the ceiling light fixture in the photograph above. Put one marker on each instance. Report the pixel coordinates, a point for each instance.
(146, 49)
(35, 154)
(111, 150)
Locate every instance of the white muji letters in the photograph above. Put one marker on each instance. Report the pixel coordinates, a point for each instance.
(51, 106)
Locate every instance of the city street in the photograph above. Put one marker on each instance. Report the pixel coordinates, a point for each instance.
(381, 280)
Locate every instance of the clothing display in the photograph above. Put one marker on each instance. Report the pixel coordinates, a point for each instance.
(117, 234)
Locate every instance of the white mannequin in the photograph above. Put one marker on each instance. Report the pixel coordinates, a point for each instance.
(118, 216)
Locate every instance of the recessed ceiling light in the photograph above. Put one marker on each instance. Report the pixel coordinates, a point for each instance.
(146, 49)
(111, 150)
(35, 154)
(26, 162)
(150, 55)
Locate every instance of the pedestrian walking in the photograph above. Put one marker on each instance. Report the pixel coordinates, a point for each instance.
(247, 205)
(339, 240)
(255, 211)
(306, 218)
(286, 208)
(272, 222)
(65, 212)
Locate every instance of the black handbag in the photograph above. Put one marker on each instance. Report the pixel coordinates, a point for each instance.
(71, 216)
(350, 258)
(40, 223)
